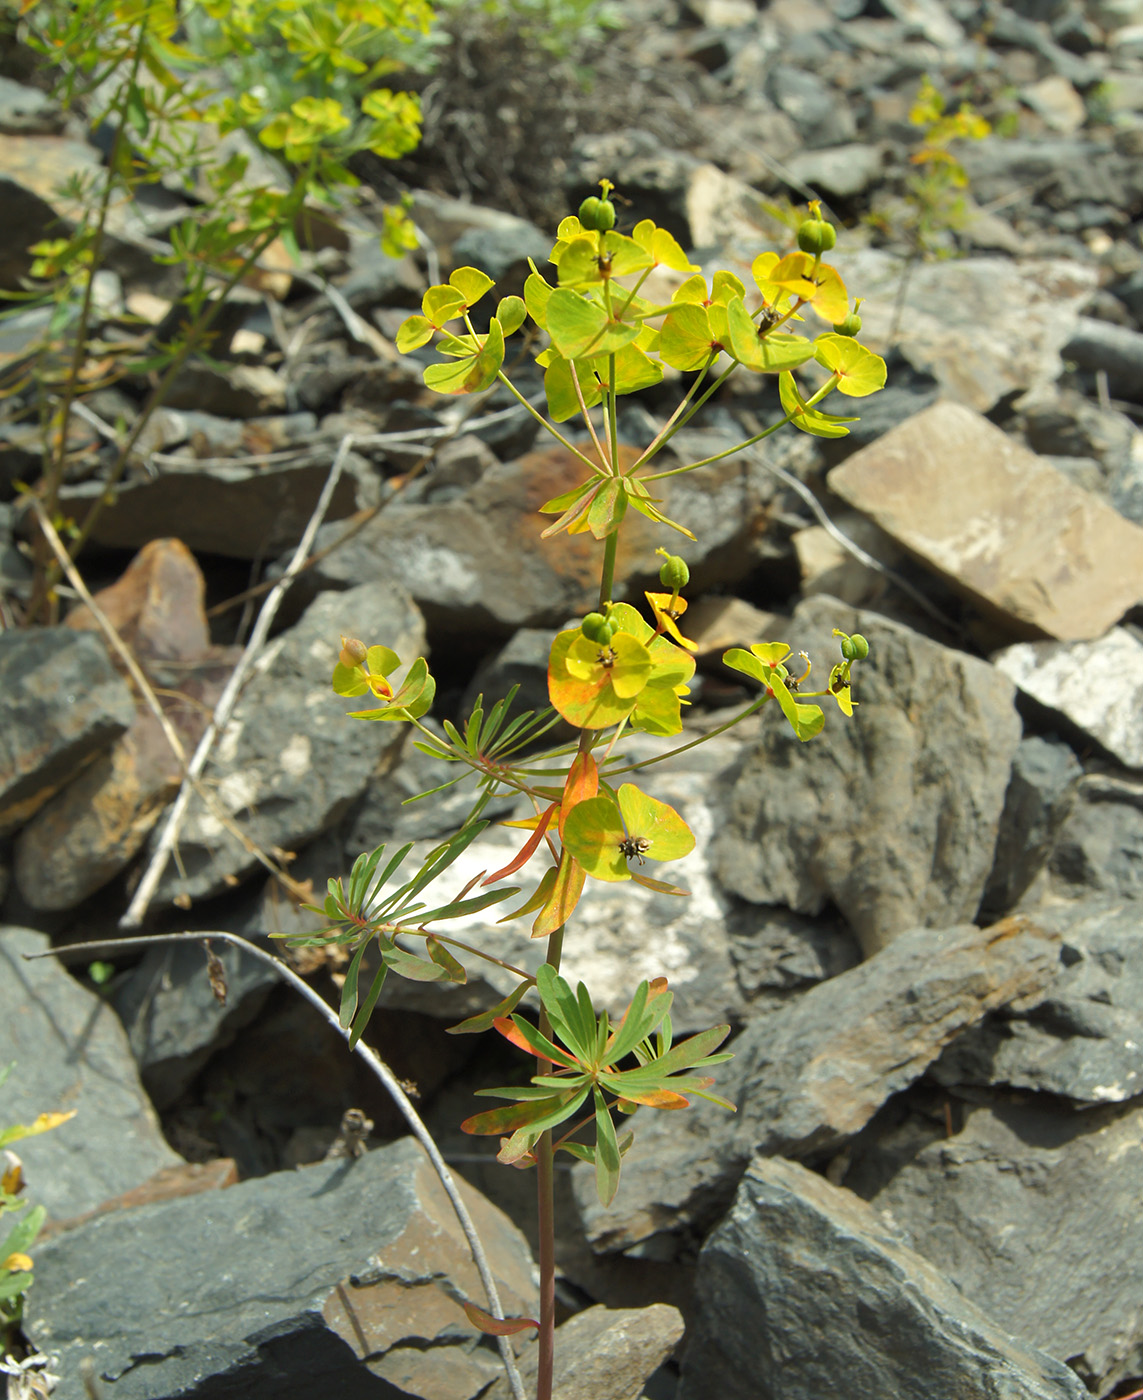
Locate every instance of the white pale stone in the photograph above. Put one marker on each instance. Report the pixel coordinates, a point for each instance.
(1097, 685)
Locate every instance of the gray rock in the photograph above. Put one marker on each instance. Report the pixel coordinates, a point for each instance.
(930, 19)
(1064, 178)
(1083, 1039)
(242, 511)
(27, 110)
(1032, 1214)
(71, 1053)
(812, 1074)
(347, 1277)
(1100, 846)
(1115, 349)
(289, 763)
(891, 815)
(1096, 685)
(172, 1018)
(981, 331)
(61, 702)
(1039, 797)
(503, 253)
(604, 1353)
(839, 172)
(985, 513)
(376, 279)
(1061, 422)
(812, 105)
(476, 564)
(803, 1283)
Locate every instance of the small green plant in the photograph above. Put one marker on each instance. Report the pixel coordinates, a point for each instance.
(15, 1262)
(936, 192)
(619, 670)
(302, 83)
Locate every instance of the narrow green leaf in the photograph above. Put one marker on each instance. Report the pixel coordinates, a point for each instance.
(460, 908)
(564, 1012)
(361, 1020)
(607, 1160)
(443, 958)
(484, 1019)
(537, 1117)
(349, 989)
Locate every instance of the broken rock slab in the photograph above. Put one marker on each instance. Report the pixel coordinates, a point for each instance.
(804, 1283)
(345, 1278)
(1099, 849)
(242, 511)
(1033, 1213)
(813, 1073)
(1097, 685)
(891, 815)
(289, 762)
(61, 702)
(1037, 553)
(984, 327)
(1039, 798)
(71, 1053)
(1082, 1039)
(173, 1020)
(604, 1353)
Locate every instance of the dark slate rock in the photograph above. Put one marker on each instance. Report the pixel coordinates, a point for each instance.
(812, 105)
(1100, 846)
(173, 1020)
(71, 1053)
(502, 253)
(61, 701)
(1039, 797)
(289, 763)
(803, 1283)
(242, 511)
(891, 815)
(344, 1278)
(812, 1074)
(1062, 423)
(1083, 1039)
(1115, 349)
(1033, 1214)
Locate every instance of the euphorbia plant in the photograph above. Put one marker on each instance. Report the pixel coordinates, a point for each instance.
(618, 670)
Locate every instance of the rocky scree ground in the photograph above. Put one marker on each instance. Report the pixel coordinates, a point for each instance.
(924, 927)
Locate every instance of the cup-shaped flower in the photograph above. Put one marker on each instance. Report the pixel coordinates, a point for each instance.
(606, 834)
(763, 662)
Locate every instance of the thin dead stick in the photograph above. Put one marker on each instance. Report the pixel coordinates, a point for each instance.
(133, 918)
(379, 1068)
(151, 698)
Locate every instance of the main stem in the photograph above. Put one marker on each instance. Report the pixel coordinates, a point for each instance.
(546, 1201)
(545, 1168)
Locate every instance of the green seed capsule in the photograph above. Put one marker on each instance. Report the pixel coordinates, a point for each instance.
(674, 574)
(850, 326)
(816, 236)
(597, 214)
(848, 650)
(596, 628)
(860, 647)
